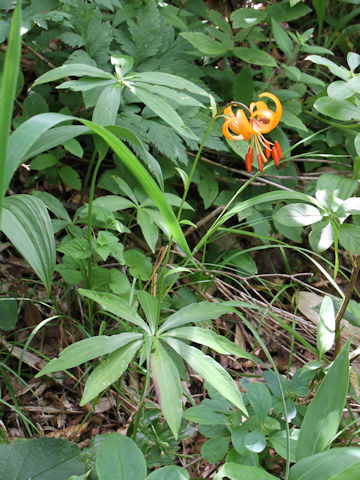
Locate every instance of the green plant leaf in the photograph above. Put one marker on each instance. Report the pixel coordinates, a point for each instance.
(322, 236)
(247, 17)
(235, 471)
(254, 56)
(255, 441)
(150, 305)
(326, 329)
(327, 465)
(205, 44)
(298, 214)
(26, 223)
(259, 397)
(171, 472)
(210, 370)
(338, 109)
(323, 416)
(72, 70)
(109, 371)
(173, 81)
(349, 237)
(164, 111)
(40, 459)
(215, 449)
(148, 227)
(282, 38)
(116, 305)
(211, 339)
(120, 458)
(7, 94)
(107, 106)
(195, 313)
(167, 386)
(340, 72)
(88, 349)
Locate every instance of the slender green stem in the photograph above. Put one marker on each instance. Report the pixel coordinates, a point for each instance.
(345, 303)
(87, 176)
(194, 165)
(336, 249)
(142, 401)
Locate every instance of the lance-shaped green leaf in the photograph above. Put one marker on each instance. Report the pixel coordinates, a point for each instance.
(210, 370)
(72, 70)
(107, 106)
(169, 80)
(26, 223)
(116, 305)
(323, 416)
(86, 84)
(168, 387)
(150, 305)
(210, 339)
(163, 110)
(148, 184)
(109, 371)
(7, 93)
(88, 349)
(170, 472)
(335, 464)
(195, 313)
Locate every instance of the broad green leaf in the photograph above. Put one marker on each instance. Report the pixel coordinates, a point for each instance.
(328, 465)
(293, 121)
(74, 147)
(210, 370)
(204, 416)
(211, 339)
(195, 313)
(107, 106)
(357, 144)
(298, 214)
(179, 97)
(340, 72)
(255, 441)
(338, 109)
(43, 161)
(77, 248)
(169, 80)
(282, 38)
(326, 329)
(72, 70)
(40, 459)
(349, 237)
(259, 397)
(278, 441)
(109, 371)
(163, 110)
(322, 236)
(353, 60)
(70, 176)
(339, 90)
(26, 223)
(88, 349)
(25, 137)
(235, 471)
(116, 305)
(323, 416)
(7, 94)
(113, 203)
(254, 56)
(205, 44)
(171, 472)
(167, 386)
(247, 17)
(120, 458)
(337, 186)
(351, 206)
(215, 449)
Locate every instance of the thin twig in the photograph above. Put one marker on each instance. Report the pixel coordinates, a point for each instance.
(345, 302)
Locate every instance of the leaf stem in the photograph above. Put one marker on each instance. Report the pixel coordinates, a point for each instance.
(345, 303)
(142, 401)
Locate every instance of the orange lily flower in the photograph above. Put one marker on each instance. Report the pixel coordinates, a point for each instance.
(261, 120)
